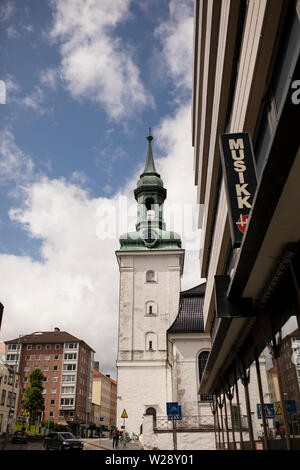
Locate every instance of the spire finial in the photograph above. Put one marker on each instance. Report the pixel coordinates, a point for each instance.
(149, 138)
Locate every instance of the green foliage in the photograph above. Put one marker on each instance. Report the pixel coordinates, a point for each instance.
(34, 401)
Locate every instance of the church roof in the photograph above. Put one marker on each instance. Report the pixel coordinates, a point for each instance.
(190, 315)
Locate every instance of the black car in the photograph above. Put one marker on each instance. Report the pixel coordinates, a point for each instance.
(62, 441)
(19, 437)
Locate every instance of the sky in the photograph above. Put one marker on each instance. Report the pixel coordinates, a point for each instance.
(84, 80)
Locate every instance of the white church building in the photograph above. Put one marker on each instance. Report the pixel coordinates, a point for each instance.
(160, 333)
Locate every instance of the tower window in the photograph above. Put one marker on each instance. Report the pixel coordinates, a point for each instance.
(150, 346)
(151, 308)
(150, 276)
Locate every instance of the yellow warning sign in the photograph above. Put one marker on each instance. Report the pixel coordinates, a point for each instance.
(279, 411)
(124, 414)
(25, 413)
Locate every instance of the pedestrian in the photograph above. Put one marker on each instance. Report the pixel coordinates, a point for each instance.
(282, 431)
(115, 437)
(124, 437)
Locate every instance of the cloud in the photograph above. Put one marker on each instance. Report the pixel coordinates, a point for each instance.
(176, 36)
(49, 77)
(7, 10)
(95, 64)
(15, 165)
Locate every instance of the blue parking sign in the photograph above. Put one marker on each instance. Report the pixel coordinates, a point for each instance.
(174, 411)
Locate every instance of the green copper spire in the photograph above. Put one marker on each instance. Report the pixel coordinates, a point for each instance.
(150, 195)
(150, 167)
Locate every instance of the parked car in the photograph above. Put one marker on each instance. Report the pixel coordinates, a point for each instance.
(62, 441)
(19, 437)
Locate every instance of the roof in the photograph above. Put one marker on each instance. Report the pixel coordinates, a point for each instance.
(96, 373)
(41, 337)
(190, 315)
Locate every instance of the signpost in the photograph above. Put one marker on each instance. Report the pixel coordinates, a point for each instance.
(174, 414)
(124, 415)
(269, 411)
(239, 172)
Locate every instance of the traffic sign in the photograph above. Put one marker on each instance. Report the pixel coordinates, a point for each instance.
(290, 406)
(174, 411)
(278, 410)
(101, 419)
(124, 414)
(269, 410)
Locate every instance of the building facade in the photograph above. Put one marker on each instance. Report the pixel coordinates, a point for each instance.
(66, 363)
(105, 397)
(246, 81)
(9, 395)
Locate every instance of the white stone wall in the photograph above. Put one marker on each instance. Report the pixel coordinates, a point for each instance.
(185, 440)
(144, 378)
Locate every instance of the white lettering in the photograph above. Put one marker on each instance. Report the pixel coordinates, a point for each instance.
(241, 189)
(243, 202)
(239, 166)
(236, 144)
(240, 157)
(296, 94)
(241, 178)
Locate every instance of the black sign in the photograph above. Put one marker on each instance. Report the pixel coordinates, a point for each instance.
(240, 181)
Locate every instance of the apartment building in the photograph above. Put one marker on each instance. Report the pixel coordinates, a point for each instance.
(66, 363)
(9, 395)
(104, 397)
(246, 114)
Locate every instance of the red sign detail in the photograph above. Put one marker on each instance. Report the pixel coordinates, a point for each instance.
(242, 222)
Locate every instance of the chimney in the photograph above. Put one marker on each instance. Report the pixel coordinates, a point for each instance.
(56, 329)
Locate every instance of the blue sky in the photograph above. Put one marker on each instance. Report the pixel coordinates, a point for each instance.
(84, 81)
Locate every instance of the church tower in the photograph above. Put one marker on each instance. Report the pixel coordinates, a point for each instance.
(151, 264)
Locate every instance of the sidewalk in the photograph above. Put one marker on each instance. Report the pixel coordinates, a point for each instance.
(106, 444)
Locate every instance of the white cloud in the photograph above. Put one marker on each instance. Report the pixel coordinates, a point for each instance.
(176, 35)
(96, 65)
(15, 165)
(34, 101)
(7, 10)
(49, 77)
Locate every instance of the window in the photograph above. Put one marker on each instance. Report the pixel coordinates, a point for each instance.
(67, 390)
(53, 390)
(57, 346)
(150, 341)
(202, 359)
(71, 345)
(46, 368)
(47, 357)
(12, 347)
(37, 358)
(55, 367)
(3, 396)
(67, 401)
(48, 346)
(27, 358)
(68, 378)
(38, 346)
(150, 276)
(12, 357)
(151, 308)
(152, 411)
(29, 346)
(52, 402)
(56, 357)
(50, 414)
(70, 356)
(70, 367)
(54, 379)
(26, 368)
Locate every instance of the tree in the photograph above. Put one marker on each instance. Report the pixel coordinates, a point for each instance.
(34, 401)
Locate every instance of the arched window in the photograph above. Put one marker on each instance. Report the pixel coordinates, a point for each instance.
(150, 341)
(151, 308)
(202, 360)
(152, 411)
(150, 208)
(150, 276)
